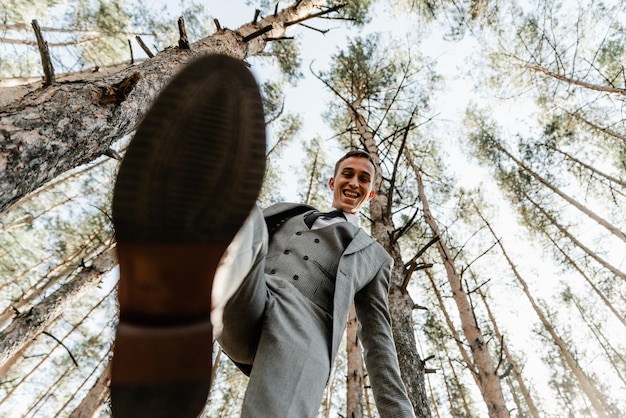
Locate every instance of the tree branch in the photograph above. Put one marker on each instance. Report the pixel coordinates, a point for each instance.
(62, 345)
(46, 63)
(144, 47)
(575, 82)
(183, 40)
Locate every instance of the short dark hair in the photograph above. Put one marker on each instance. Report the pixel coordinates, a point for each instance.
(355, 153)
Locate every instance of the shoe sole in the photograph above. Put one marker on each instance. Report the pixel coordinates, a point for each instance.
(188, 181)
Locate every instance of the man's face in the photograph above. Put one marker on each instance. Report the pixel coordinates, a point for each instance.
(353, 186)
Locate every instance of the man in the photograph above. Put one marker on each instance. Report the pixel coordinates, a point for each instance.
(276, 286)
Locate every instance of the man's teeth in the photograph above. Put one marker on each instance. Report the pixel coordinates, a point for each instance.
(350, 194)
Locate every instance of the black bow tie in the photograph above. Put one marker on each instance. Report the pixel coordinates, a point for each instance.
(309, 220)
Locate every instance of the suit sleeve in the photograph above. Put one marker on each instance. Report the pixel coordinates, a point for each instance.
(381, 359)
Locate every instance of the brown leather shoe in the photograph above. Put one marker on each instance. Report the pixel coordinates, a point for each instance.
(187, 183)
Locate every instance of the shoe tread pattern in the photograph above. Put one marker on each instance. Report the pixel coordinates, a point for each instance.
(195, 166)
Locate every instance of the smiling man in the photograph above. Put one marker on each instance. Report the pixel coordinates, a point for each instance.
(277, 284)
(353, 182)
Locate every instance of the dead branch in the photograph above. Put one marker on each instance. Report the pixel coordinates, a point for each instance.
(282, 38)
(24, 27)
(500, 355)
(398, 232)
(46, 63)
(464, 269)
(322, 31)
(183, 40)
(258, 33)
(314, 15)
(413, 265)
(422, 250)
(62, 345)
(130, 48)
(144, 47)
(396, 163)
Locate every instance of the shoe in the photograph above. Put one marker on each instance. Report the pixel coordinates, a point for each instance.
(189, 179)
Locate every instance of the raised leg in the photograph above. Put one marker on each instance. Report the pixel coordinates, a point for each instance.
(187, 183)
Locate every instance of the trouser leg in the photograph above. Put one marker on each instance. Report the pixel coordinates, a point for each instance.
(292, 363)
(240, 292)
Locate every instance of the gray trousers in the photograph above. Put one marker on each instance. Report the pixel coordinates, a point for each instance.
(265, 321)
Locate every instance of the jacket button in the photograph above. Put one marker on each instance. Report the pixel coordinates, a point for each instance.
(273, 271)
(286, 252)
(299, 233)
(295, 277)
(316, 240)
(306, 257)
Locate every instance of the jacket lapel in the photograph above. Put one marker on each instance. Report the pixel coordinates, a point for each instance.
(359, 242)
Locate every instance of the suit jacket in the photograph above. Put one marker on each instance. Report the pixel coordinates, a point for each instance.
(363, 277)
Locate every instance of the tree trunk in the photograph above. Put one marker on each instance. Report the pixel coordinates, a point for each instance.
(593, 394)
(576, 82)
(400, 302)
(59, 127)
(597, 127)
(528, 400)
(601, 221)
(484, 368)
(97, 396)
(355, 387)
(573, 239)
(594, 171)
(49, 280)
(618, 315)
(30, 324)
(411, 364)
(457, 339)
(401, 311)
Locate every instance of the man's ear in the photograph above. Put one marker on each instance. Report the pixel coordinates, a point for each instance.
(331, 183)
(371, 195)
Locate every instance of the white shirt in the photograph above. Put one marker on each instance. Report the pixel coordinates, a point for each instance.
(350, 217)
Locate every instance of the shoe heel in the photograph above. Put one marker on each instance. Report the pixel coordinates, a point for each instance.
(161, 372)
(164, 283)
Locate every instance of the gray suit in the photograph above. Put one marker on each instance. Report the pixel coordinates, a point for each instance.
(291, 338)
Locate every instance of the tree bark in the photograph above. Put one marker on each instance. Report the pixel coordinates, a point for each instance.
(354, 379)
(56, 128)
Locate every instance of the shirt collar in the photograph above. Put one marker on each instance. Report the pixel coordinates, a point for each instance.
(350, 217)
